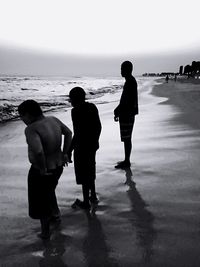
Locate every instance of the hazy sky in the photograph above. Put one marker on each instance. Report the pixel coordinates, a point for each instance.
(66, 32)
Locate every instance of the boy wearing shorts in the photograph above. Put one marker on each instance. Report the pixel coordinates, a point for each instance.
(47, 158)
(125, 112)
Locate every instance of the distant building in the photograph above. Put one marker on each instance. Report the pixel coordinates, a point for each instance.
(151, 74)
(162, 74)
(167, 73)
(181, 70)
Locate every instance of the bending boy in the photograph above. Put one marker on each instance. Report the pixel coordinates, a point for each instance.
(44, 139)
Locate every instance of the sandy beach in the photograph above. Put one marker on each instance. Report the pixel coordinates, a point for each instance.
(148, 215)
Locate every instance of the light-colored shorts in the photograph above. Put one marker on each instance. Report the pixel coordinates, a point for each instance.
(126, 127)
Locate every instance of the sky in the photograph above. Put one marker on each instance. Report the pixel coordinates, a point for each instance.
(83, 37)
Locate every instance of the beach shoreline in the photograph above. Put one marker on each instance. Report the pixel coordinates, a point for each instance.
(148, 215)
(184, 95)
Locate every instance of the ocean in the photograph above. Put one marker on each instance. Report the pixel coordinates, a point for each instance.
(52, 92)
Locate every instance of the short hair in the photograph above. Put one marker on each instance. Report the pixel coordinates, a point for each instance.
(77, 93)
(127, 65)
(31, 107)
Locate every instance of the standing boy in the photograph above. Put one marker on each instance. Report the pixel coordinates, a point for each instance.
(44, 139)
(126, 110)
(85, 142)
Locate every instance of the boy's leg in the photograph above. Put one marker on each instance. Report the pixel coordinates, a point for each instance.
(127, 150)
(93, 196)
(85, 204)
(55, 209)
(86, 189)
(45, 228)
(54, 205)
(126, 128)
(93, 190)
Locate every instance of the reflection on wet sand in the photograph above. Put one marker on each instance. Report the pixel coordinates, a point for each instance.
(53, 252)
(142, 219)
(95, 248)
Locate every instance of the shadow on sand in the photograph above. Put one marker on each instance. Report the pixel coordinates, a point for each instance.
(95, 249)
(141, 219)
(53, 251)
(49, 252)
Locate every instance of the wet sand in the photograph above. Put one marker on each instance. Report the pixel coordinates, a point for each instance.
(148, 215)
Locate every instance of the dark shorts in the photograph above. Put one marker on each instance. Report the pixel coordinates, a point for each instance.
(126, 127)
(85, 166)
(41, 192)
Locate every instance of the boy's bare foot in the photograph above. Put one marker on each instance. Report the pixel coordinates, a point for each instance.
(123, 165)
(55, 219)
(94, 200)
(80, 204)
(44, 236)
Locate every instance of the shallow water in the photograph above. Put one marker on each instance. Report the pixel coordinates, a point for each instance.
(52, 92)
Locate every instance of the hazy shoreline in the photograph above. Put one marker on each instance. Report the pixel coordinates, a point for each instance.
(184, 95)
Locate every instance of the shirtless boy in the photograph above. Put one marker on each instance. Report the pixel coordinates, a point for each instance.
(44, 139)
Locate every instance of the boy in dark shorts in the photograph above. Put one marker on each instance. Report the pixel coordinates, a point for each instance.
(85, 143)
(126, 110)
(44, 139)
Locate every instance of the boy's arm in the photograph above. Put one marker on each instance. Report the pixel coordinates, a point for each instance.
(98, 123)
(67, 142)
(116, 113)
(35, 146)
(71, 148)
(96, 126)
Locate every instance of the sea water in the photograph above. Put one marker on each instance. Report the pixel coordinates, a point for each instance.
(53, 92)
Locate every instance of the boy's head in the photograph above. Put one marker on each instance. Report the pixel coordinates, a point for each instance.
(29, 111)
(77, 96)
(126, 68)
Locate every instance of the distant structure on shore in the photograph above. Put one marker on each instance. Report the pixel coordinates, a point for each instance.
(162, 74)
(192, 70)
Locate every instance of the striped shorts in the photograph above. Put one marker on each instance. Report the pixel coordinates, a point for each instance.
(126, 127)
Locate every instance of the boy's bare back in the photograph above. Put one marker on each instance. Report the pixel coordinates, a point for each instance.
(45, 136)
